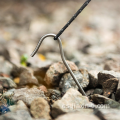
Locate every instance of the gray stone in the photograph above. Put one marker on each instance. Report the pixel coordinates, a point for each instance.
(98, 91)
(109, 81)
(70, 102)
(5, 66)
(9, 93)
(7, 83)
(25, 74)
(113, 96)
(55, 71)
(78, 116)
(110, 86)
(108, 114)
(17, 70)
(53, 94)
(100, 99)
(40, 108)
(89, 92)
(39, 119)
(104, 75)
(27, 78)
(19, 106)
(25, 94)
(40, 73)
(117, 95)
(93, 79)
(112, 65)
(18, 115)
(68, 82)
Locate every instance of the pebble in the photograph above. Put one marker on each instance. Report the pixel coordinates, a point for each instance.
(25, 75)
(112, 65)
(6, 82)
(17, 70)
(53, 94)
(77, 116)
(100, 99)
(39, 73)
(43, 88)
(55, 72)
(40, 108)
(93, 79)
(110, 86)
(89, 92)
(27, 78)
(98, 91)
(27, 95)
(104, 75)
(70, 102)
(5, 66)
(113, 96)
(67, 81)
(117, 95)
(4, 109)
(108, 114)
(17, 115)
(109, 81)
(20, 105)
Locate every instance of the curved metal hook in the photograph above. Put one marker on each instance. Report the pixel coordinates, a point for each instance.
(62, 56)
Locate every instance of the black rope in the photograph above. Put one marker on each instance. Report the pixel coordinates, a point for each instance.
(71, 20)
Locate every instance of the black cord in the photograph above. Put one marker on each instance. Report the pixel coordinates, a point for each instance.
(71, 20)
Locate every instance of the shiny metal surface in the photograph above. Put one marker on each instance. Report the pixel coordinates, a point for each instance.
(62, 56)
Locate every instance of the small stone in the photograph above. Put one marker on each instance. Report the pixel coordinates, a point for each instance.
(53, 94)
(1, 88)
(108, 114)
(68, 82)
(14, 56)
(4, 75)
(112, 65)
(17, 115)
(105, 75)
(117, 95)
(40, 73)
(5, 66)
(9, 93)
(109, 81)
(55, 72)
(113, 96)
(70, 102)
(89, 92)
(4, 109)
(110, 86)
(78, 116)
(19, 106)
(93, 80)
(27, 78)
(100, 99)
(16, 71)
(43, 88)
(7, 83)
(25, 94)
(98, 91)
(40, 108)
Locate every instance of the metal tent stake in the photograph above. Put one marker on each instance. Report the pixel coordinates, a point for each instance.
(62, 56)
(56, 37)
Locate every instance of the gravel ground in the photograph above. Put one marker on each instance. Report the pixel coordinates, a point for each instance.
(40, 87)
